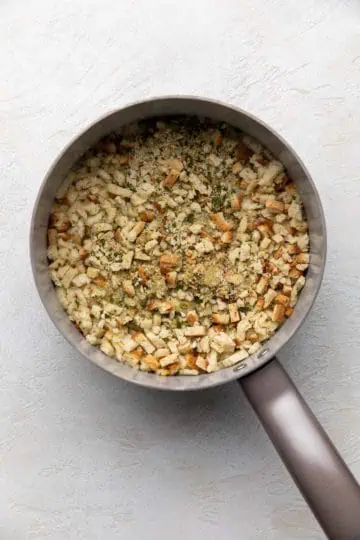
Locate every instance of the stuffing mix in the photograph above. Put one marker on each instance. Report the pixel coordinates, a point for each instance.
(178, 246)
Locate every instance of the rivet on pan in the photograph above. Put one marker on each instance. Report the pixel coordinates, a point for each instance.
(240, 367)
(262, 353)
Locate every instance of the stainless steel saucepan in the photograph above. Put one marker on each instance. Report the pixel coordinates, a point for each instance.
(320, 473)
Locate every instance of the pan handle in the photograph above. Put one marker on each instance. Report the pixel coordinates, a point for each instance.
(320, 473)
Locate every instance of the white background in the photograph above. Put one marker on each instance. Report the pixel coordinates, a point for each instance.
(84, 456)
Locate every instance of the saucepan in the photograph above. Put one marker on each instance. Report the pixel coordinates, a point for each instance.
(326, 483)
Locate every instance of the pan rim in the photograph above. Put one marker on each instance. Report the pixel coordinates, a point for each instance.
(182, 382)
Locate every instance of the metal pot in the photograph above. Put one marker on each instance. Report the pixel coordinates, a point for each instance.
(320, 473)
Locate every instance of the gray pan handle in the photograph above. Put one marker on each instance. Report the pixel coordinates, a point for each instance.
(320, 473)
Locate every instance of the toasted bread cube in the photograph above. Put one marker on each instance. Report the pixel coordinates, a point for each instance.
(220, 318)
(171, 279)
(127, 260)
(168, 262)
(128, 288)
(269, 297)
(146, 216)
(153, 305)
(144, 342)
(118, 235)
(201, 363)
(165, 307)
(129, 344)
(234, 313)
(190, 360)
(195, 331)
(80, 280)
(168, 360)
(100, 282)
(192, 317)
(52, 237)
(262, 285)
(151, 362)
(237, 167)
(281, 299)
(277, 207)
(295, 273)
(252, 336)
(204, 344)
(185, 347)
(222, 343)
(107, 348)
(212, 359)
(160, 353)
(171, 178)
(135, 231)
(303, 258)
(278, 313)
(227, 237)
(155, 340)
(238, 356)
(221, 222)
(118, 191)
(236, 201)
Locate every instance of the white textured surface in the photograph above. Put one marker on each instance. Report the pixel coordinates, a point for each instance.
(82, 455)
